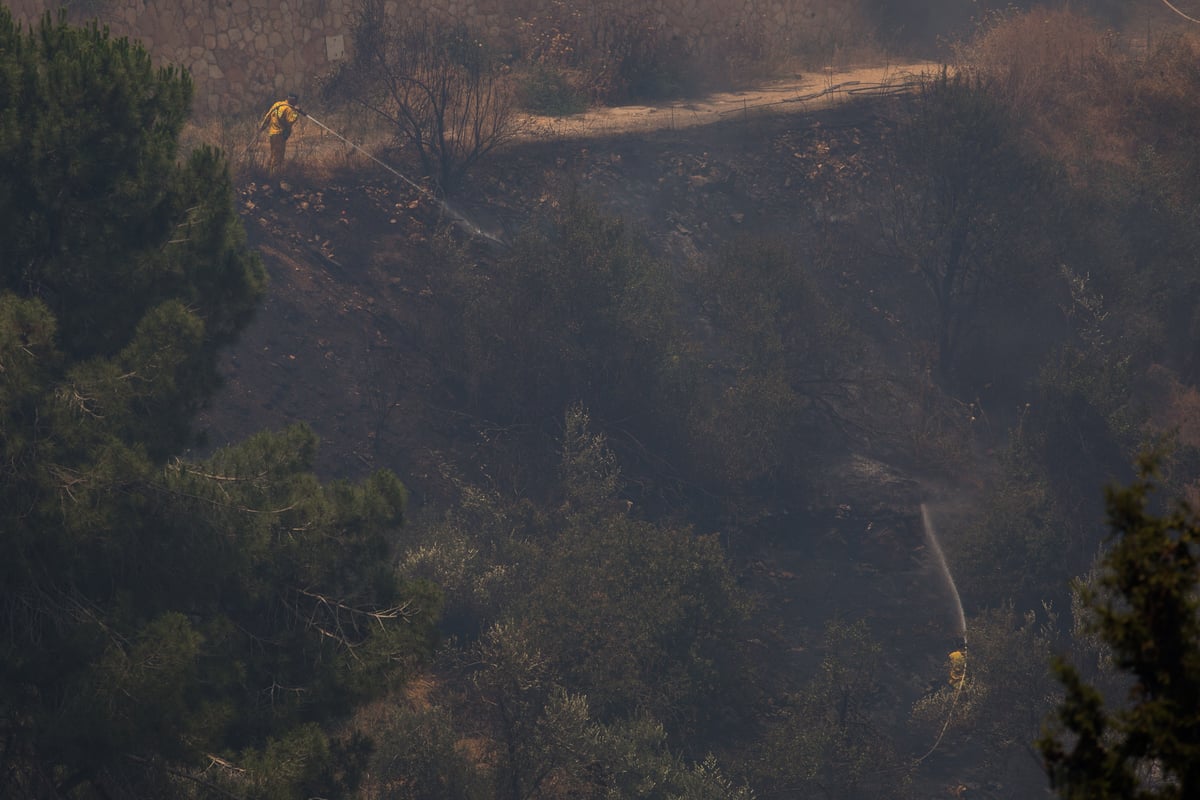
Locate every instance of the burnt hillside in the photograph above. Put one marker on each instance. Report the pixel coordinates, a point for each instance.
(789, 330)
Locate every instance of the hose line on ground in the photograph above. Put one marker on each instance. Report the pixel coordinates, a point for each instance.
(1167, 3)
(458, 216)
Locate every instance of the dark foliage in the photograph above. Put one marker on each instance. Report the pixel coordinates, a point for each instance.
(1146, 608)
(158, 615)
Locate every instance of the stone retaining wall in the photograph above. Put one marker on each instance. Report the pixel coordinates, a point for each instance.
(243, 54)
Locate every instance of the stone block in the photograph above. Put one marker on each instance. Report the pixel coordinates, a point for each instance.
(335, 47)
(311, 54)
(235, 75)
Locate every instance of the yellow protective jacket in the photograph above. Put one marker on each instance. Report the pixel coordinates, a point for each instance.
(280, 119)
(958, 668)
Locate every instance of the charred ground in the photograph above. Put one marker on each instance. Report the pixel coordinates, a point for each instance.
(366, 271)
(347, 343)
(336, 344)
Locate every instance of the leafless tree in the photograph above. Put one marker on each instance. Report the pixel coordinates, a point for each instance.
(962, 206)
(438, 85)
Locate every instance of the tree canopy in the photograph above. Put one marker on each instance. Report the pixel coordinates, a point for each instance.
(157, 614)
(1146, 608)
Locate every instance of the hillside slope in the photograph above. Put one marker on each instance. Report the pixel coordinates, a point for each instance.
(348, 254)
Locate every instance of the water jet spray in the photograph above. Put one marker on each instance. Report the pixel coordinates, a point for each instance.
(959, 664)
(461, 219)
(932, 540)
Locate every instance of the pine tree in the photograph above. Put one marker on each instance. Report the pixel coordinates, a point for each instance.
(158, 615)
(1146, 607)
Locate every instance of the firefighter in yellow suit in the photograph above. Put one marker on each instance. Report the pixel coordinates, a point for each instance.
(958, 668)
(278, 122)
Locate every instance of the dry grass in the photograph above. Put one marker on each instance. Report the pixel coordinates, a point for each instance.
(235, 137)
(313, 153)
(1056, 71)
(1028, 56)
(1087, 95)
(1173, 405)
(1174, 409)
(1163, 93)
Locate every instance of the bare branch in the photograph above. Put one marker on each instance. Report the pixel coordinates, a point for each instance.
(436, 85)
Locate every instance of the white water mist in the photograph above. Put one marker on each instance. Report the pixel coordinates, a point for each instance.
(931, 539)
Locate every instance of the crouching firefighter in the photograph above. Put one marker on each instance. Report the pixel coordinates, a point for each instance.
(278, 122)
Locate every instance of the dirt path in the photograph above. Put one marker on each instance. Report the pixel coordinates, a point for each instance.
(815, 90)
